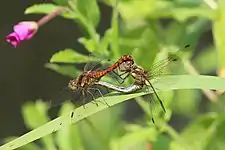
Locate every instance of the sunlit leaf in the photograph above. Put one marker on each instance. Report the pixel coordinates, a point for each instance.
(30, 146)
(69, 56)
(90, 10)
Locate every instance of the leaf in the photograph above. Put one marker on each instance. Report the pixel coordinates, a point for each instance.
(90, 10)
(69, 71)
(183, 14)
(132, 139)
(184, 82)
(162, 142)
(69, 56)
(216, 134)
(219, 32)
(199, 133)
(129, 11)
(89, 44)
(36, 115)
(101, 133)
(48, 8)
(30, 146)
(104, 42)
(161, 9)
(68, 138)
(209, 55)
(149, 46)
(114, 43)
(62, 2)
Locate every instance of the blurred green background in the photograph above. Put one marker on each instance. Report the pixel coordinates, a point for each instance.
(143, 29)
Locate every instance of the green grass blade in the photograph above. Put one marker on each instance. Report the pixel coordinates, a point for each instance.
(177, 82)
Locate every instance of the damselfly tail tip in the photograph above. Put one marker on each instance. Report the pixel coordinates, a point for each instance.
(153, 121)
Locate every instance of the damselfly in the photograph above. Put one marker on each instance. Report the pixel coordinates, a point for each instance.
(85, 82)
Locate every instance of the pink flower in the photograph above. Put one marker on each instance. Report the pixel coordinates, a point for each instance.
(22, 31)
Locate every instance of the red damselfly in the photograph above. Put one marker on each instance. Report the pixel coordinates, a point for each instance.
(85, 82)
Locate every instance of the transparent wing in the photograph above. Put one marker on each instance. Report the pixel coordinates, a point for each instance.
(63, 96)
(96, 63)
(93, 63)
(164, 66)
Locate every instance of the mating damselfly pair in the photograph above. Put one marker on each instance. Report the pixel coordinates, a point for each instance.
(89, 80)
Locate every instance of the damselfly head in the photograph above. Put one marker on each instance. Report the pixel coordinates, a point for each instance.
(73, 85)
(127, 58)
(126, 65)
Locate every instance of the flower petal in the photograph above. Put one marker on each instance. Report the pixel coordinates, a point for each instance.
(22, 31)
(14, 39)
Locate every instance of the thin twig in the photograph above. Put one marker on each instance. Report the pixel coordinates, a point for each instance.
(50, 16)
(174, 135)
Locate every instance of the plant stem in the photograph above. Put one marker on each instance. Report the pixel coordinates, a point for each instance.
(173, 134)
(190, 68)
(50, 16)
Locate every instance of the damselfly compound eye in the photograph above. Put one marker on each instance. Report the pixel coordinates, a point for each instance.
(72, 85)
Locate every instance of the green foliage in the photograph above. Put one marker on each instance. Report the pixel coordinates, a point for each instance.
(218, 29)
(196, 82)
(137, 28)
(69, 56)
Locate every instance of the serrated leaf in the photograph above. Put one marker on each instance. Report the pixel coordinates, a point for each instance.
(48, 8)
(69, 56)
(69, 71)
